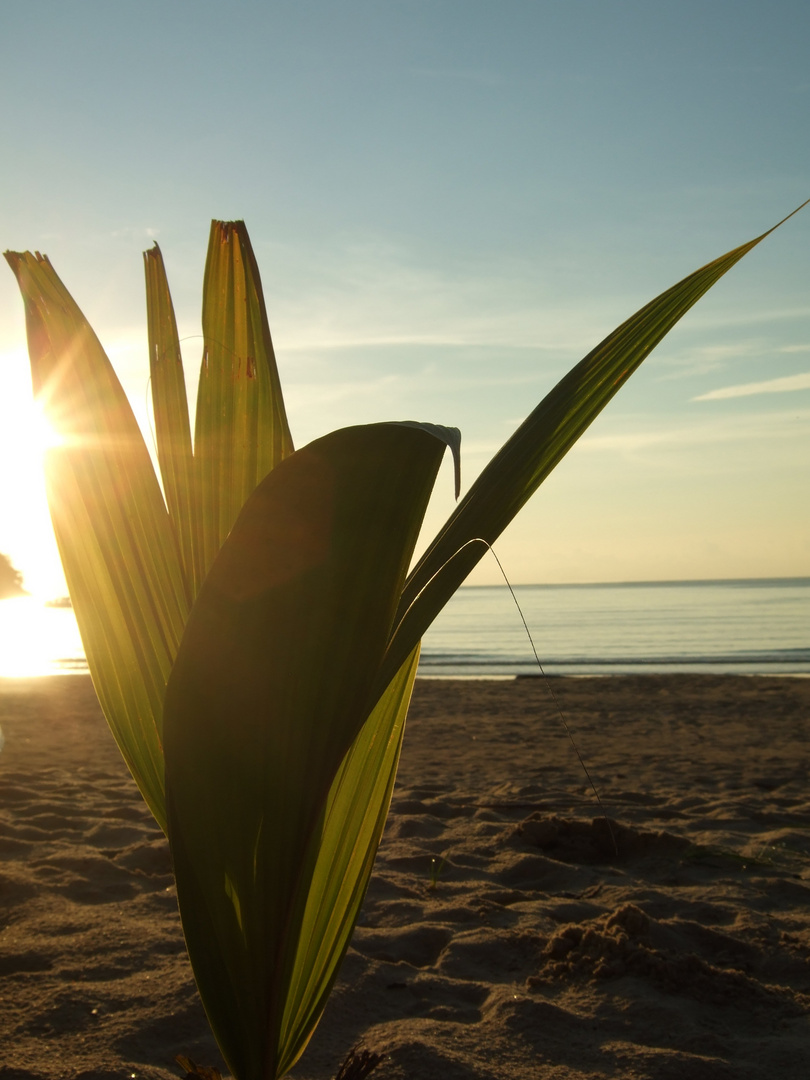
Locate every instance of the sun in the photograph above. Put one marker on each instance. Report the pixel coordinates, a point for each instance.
(26, 436)
(43, 434)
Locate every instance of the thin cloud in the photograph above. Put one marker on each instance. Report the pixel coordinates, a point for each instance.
(769, 427)
(135, 232)
(770, 386)
(375, 296)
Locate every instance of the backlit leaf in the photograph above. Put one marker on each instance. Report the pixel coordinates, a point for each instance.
(114, 536)
(271, 687)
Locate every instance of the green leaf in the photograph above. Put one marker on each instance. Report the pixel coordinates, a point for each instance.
(343, 853)
(172, 427)
(271, 686)
(521, 465)
(132, 568)
(241, 426)
(115, 539)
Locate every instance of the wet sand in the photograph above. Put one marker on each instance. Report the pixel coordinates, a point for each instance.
(504, 934)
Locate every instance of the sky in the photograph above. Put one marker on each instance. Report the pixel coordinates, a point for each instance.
(451, 202)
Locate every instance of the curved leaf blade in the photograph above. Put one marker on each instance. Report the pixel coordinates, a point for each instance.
(540, 443)
(241, 429)
(346, 847)
(114, 535)
(172, 426)
(272, 684)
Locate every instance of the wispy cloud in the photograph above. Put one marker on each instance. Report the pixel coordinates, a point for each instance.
(699, 360)
(376, 294)
(137, 232)
(784, 385)
(756, 427)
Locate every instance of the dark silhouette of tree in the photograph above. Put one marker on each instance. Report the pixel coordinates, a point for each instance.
(10, 579)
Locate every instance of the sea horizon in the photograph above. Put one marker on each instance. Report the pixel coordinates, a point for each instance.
(801, 579)
(59, 600)
(710, 625)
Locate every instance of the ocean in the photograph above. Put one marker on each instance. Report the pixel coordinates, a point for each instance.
(742, 627)
(737, 627)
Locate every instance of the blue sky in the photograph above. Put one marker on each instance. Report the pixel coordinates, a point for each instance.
(451, 203)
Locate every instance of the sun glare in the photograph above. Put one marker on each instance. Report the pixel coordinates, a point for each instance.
(43, 434)
(38, 640)
(26, 436)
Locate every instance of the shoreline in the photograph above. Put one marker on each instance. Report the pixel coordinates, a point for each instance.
(535, 952)
(641, 671)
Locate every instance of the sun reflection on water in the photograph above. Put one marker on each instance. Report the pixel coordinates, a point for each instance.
(36, 639)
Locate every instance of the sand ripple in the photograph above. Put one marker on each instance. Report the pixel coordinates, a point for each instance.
(509, 931)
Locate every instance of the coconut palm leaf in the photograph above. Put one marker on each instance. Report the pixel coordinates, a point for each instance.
(540, 443)
(270, 689)
(241, 430)
(133, 567)
(113, 531)
(172, 427)
(342, 856)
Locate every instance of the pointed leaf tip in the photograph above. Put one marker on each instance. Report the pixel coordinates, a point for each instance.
(451, 436)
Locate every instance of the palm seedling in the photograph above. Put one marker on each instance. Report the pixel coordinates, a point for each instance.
(252, 630)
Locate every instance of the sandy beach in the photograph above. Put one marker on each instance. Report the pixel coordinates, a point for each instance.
(503, 935)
